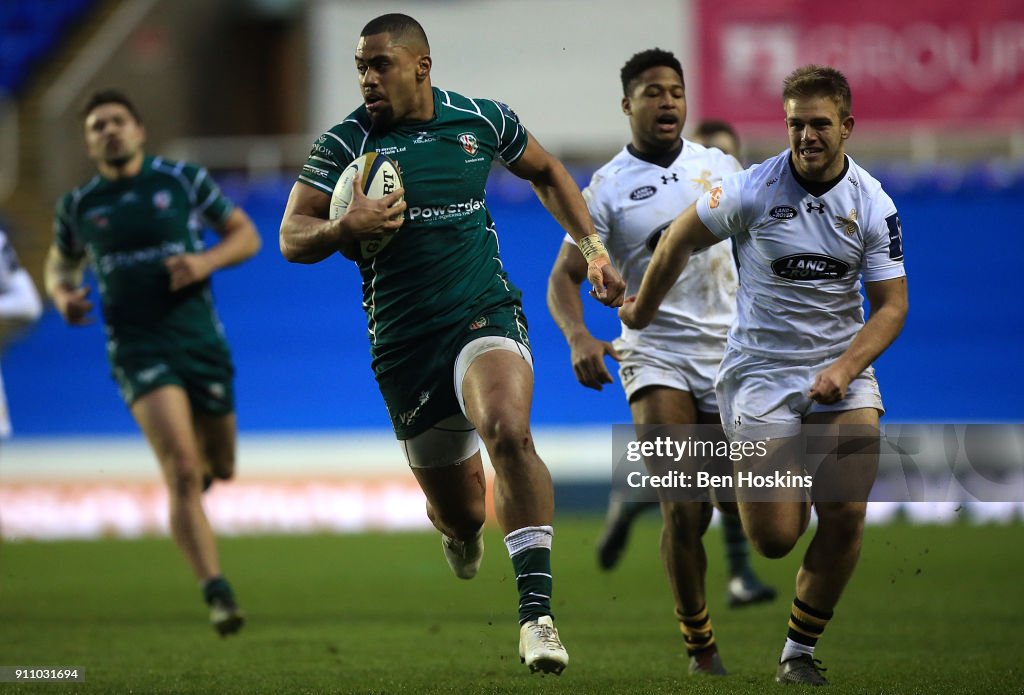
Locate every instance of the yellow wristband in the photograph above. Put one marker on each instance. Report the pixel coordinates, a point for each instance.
(592, 247)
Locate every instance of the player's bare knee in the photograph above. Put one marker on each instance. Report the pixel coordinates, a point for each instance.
(462, 522)
(459, 528)
(773, 543)
(506, 439)
(467, 529)
(184, 478)
(687, 520)
(843, 522)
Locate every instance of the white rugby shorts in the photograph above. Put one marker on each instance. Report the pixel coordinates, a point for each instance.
(762, 397)
(640, 368)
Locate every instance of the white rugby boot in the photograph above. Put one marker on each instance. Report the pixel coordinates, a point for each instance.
(540, 648)
(464, 557)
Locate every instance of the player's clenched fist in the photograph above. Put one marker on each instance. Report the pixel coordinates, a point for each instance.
(608, 286)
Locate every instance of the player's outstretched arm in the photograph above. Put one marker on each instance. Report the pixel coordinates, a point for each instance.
(63, 280)
(686, 234)
(561, 196)
(889, 303)
(239, 241)
(567, 275)
(308, 236)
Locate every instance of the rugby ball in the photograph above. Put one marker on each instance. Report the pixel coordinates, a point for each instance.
(380, 177)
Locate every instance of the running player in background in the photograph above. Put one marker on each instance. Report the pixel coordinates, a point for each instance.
(139, 223)
(744, 587)
(448, 337)
(808, 224)
(668, 369)
(715, 133)
(20, 306)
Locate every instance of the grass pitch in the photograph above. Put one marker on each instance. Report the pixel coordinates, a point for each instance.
(930, 610)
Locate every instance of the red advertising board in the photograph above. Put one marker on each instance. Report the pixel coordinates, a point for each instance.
(926, 62)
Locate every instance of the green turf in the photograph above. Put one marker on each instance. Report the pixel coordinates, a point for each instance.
(931, 610)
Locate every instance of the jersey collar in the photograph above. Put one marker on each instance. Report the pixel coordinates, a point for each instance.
(818, 188)
(662, 159)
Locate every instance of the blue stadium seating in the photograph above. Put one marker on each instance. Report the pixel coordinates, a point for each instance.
(299, 335)
(30, 30)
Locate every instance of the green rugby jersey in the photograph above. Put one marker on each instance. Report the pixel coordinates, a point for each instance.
(128, 227)
(443, 265)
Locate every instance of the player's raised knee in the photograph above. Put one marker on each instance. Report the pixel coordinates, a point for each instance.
(845, 521)
(185, 478)
(505, 436)
(689, 518)
(772, 543)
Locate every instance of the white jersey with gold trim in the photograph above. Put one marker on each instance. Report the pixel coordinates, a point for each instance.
(801, 257)
(632, 203)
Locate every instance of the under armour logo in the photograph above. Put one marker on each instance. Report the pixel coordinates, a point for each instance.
(666, 179)
(811, 208)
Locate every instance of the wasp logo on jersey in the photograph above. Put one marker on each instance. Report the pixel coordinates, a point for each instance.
(847, 224)
(643, 193)
(810, 266)
(704, 180)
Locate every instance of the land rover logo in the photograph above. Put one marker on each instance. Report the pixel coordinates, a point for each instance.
(643, 192)
(783, 212)
(810, 266)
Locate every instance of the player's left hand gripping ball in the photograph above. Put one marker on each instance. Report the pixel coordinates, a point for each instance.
(380, 177)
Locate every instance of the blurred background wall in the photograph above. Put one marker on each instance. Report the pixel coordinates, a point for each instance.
(244, 87)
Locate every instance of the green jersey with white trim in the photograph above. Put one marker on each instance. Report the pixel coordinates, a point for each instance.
(128, 228)
(443, 265)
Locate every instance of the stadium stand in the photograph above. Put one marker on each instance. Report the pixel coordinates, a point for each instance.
(30, 31)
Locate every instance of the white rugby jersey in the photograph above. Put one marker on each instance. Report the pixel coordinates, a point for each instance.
(801, 256)
(19, 301)
(632, 203)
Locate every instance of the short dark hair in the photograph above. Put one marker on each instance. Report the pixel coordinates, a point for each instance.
(109, 96)
(397, 25)
(713, 126)
(644, 60)
(819, 81)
